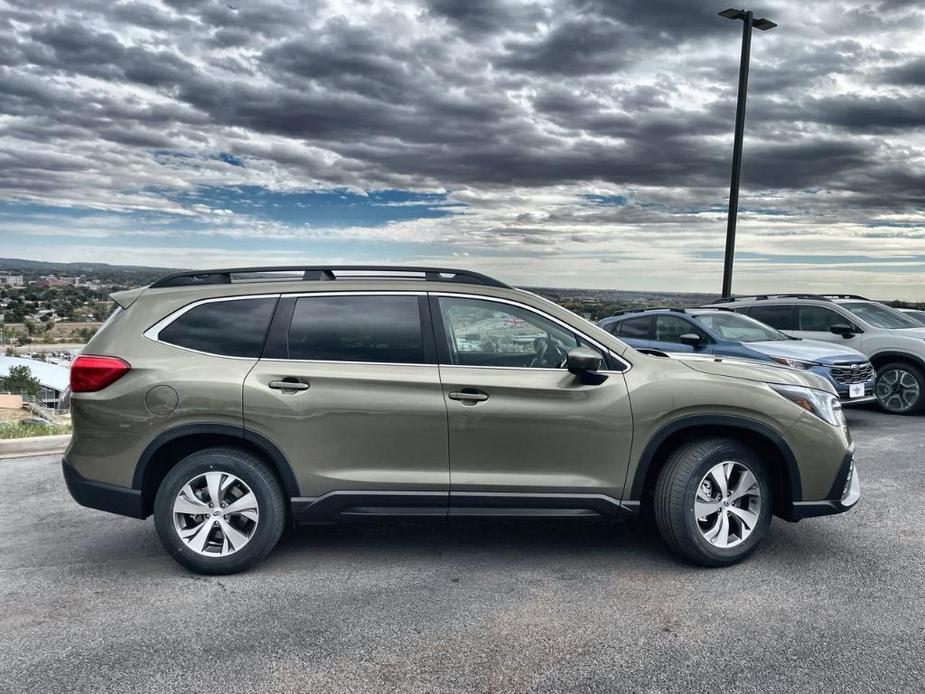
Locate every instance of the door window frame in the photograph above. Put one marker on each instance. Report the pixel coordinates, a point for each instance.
(613, 362)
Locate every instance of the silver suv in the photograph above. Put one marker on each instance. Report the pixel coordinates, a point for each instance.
(894, 342)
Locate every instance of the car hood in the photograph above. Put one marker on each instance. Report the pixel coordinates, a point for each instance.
(759, 371)
(807, 350)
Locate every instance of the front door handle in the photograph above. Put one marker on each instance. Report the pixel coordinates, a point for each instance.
(287, 385)
(469, 396)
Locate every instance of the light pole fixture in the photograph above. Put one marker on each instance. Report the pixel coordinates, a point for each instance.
(748, 21)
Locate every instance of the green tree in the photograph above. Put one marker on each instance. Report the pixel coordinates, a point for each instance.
(21, 380)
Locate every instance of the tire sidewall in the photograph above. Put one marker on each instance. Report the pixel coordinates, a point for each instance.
(728, 453)
(241, 465)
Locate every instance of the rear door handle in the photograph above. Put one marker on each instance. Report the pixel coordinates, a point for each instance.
(287, 385)
(469, 397)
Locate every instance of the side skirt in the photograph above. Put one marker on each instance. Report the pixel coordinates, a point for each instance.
(352, 505)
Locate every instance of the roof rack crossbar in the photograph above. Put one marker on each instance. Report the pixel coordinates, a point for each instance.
(328, 272)
(846, 296)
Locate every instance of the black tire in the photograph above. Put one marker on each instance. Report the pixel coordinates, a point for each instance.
(676, 490)
(918, 406)
(251, 471)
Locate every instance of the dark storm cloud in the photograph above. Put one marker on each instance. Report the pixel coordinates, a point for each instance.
(488, 93)
(909, 73)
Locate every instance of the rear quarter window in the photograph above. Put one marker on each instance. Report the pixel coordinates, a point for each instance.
(230, 328)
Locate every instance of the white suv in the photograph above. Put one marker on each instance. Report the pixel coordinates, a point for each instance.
(894, 342)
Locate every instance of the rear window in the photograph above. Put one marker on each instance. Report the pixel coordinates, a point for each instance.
(357, 328)
(230, 328)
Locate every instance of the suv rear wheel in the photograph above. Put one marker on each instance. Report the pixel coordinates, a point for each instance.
(219, 511)
(900, 388)
(713, 501)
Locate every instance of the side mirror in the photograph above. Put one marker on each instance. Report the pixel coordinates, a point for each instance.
(842, 329)
(691, 340)
(585, 363)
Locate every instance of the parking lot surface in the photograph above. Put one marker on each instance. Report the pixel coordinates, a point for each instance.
(90, 603)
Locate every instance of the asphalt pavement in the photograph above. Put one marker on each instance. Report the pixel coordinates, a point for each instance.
(90, 603)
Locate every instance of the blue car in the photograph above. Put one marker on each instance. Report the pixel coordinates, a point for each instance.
(721, 332)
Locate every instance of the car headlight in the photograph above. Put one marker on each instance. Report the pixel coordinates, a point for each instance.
(824, 405)
(793, 363)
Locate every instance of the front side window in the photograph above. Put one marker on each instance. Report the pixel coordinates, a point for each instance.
(779, 316)
(671, 328)
(739, 328)
(488, 333)
(357, 328)
(879, 316)
(231, 328)
(819, 318)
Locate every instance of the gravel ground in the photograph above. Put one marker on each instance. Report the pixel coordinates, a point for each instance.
(89, 602)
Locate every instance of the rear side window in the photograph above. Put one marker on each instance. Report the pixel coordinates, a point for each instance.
(639, 328)
(232, 328)
(357, 328)
(777, 316)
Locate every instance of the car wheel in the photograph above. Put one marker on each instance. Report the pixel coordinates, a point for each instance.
(219, 511)
(713, 501)
(900, 388)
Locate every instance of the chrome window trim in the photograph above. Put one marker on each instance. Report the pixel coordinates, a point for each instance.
(541, 314)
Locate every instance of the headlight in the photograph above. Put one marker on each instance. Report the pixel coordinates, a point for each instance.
(824, 405)
(793, 363)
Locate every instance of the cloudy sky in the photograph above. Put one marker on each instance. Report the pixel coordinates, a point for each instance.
(563, 143)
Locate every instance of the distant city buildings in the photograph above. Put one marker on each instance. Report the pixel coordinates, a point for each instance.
(52, 281)
(11, 280)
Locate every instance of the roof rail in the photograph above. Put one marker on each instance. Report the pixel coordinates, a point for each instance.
(643, 309)
(846, 296)
(316, 273)
(764, 297)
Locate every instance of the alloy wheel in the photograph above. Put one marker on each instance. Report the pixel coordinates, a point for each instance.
(897, 390)
(728, 504)
(215, 514)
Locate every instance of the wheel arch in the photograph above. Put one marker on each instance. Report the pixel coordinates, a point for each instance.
(171, 446)
(878, 359)
(785, 475)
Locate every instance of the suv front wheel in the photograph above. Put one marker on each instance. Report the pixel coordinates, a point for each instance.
(219, 511)
(900, 388)
(713, 501)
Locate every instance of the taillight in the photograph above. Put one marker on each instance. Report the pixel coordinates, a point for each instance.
(90, 373)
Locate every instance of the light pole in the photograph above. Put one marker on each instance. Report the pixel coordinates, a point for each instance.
(748, 22)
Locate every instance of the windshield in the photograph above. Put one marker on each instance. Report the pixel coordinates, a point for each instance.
(880, 316)
(734, 326)
(916, 315)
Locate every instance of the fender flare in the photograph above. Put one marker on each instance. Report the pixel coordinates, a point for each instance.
(258, 441)
(904, 356)
(710, 420)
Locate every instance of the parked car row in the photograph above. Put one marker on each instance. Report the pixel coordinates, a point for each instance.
(865, 349)
(227, 403)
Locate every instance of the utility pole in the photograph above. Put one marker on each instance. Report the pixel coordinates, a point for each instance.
(748, 22)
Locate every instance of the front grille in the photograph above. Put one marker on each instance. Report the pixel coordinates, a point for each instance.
(852, 373)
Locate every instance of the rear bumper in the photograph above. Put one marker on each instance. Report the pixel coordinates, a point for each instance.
(103, 497)
(845, 494)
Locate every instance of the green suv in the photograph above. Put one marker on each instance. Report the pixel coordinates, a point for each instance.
(228, 403)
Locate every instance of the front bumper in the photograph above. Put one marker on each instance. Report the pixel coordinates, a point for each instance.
(103, 497)
(844, 495)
